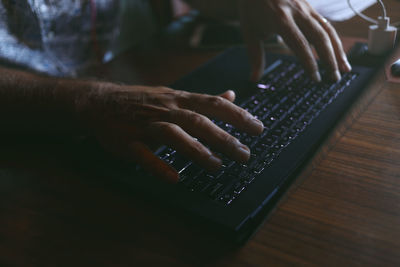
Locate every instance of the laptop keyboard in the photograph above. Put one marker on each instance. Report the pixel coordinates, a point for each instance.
(287, 101)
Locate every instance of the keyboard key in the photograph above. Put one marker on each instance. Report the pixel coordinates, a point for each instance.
(287, 101)
(215, 189)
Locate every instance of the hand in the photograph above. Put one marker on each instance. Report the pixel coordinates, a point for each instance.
(127, 119)
(300, 26)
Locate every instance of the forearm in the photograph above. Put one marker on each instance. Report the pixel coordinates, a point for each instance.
(31, 103)
(222, 9)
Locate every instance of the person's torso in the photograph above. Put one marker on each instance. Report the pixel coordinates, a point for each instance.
(61, 37)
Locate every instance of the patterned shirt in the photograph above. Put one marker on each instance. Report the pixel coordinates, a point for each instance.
(63, 37)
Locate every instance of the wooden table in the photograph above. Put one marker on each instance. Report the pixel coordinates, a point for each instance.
(343, 210)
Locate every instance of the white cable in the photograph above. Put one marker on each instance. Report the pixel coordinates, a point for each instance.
(383, 8)
(361, 14)
(365, 17)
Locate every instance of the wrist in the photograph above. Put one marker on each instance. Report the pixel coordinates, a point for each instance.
(85, 101)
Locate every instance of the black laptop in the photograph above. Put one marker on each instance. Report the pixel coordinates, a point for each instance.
(297, 113)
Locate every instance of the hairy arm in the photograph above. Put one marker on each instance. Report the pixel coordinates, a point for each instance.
(126, 119)
(31, 103)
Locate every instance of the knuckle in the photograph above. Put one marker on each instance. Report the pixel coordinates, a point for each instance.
(299, 7)
(304, 51)
(163, 88)
(281, 12)
(168, 128)
(324, 37)
(199, 148)
(195, 149)
(311, 63)
(303, 44)
(330, 29)
(304, 8)
(197, 119)
(230, 140)
(173, 114)
(243, 115)
(183, 97)
(216, 101)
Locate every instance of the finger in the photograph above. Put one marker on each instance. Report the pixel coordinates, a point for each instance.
(219, 108)
(119, 143)
(322, 43)
(175, 137)
(254, 45)
(295, 39)
(143, 156)
(203, 128)
(229, 95)
(341, 57)
(255, 50)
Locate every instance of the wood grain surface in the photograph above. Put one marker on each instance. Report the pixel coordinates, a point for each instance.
(343, 210)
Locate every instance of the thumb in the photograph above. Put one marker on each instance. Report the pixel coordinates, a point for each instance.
(254, 44)
(141, 154)
(255, 50)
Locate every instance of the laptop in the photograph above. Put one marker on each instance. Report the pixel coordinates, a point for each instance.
(297, 113)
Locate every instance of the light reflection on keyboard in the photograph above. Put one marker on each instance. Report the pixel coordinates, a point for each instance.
(287, 102)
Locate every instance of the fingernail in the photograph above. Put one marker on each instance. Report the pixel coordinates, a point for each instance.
(243, 153)
(257, 125)
(346, 66)
(214, 162)
(316, 76)
(336, 76)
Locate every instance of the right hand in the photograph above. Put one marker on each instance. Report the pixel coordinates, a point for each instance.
(128, 119)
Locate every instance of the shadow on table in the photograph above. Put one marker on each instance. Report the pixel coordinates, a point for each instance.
(59, 210)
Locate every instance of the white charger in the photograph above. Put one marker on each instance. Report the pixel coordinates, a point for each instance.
(381, 36)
